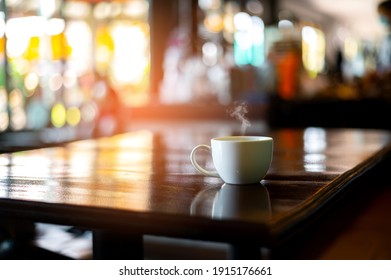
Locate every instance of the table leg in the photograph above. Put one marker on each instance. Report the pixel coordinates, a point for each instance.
(108, 245)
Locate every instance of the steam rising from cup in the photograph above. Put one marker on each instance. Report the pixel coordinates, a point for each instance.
(239, 112)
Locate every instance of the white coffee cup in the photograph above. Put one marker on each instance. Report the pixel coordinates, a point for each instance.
(237, 159)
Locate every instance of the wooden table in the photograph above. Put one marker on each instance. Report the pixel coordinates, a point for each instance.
(142, 182)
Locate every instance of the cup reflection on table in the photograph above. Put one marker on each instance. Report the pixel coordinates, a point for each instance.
(235, 202)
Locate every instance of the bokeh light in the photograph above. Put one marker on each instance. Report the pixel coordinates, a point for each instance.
(73, 116)
(58, 115)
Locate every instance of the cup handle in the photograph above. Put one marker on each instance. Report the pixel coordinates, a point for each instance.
(195, 163)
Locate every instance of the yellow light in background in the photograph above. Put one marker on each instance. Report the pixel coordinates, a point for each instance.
(122, 49)
(104, 49)
(73, 116)
(32, 51)
(130, 59)
(214, 22)
(351, 48)
(59, 43)
(23, 36)
(60, 47)
(309, 47)
(314, 50)
(58, 115)
(2, 33)
(230, 10)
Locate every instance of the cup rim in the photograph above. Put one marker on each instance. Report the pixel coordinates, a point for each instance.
(242, 138)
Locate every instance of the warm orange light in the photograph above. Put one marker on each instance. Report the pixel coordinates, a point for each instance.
(2, 45)
(104, 49)
(130, 59)
(214, 22)
(32, 51)
(288, 68)
(60, 47)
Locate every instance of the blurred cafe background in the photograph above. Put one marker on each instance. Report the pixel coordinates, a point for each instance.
(79, 69)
